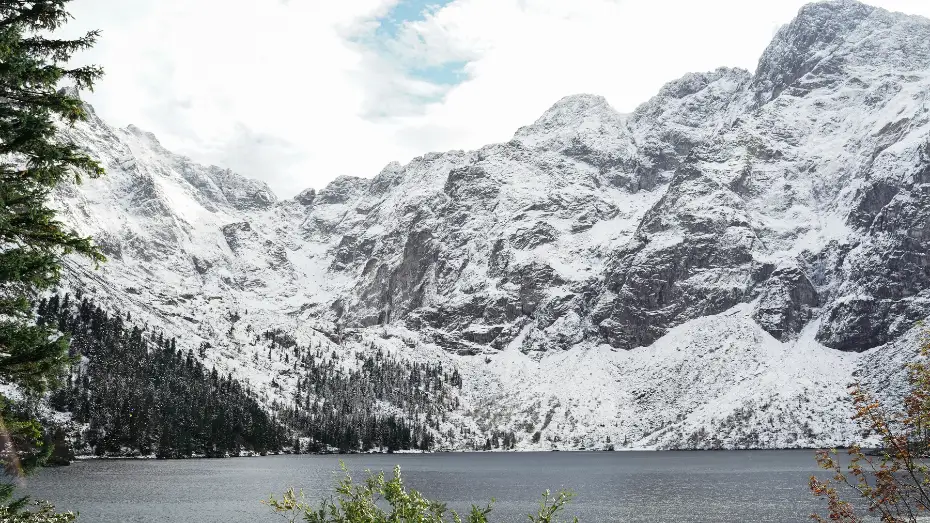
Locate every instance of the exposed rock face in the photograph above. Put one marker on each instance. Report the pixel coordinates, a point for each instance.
(890, 268)
(808, 45)
(306, 197)
(395, 291)
(688, 261)
(728, 248)
(342, 190)
(786, 303)
(537, 234)
(236, 233)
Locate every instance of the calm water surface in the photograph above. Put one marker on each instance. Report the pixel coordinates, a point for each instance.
(724, 486)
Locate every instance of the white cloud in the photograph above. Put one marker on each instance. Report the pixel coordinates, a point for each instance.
(291, 93)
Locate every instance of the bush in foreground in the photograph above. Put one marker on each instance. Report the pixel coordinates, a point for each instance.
(23, 510)
(895, 484)
(358, 503)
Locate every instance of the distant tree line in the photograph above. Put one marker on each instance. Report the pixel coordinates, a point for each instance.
(381, 402)
(134, 392)
(504, 440)
(138, 393)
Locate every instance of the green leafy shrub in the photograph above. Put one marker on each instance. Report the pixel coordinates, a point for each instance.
(23, 510)
(358, 503)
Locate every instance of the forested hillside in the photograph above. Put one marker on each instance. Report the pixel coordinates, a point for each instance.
(369, 406)
(132, 391)
(135, 392)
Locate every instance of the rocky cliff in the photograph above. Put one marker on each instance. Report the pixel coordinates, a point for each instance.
(710, 270)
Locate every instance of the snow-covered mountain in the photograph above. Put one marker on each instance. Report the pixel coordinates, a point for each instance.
(711, 270)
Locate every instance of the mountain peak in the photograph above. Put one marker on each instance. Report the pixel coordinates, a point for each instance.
(146, 135)
(575, 105)
(680, 98)
(343, 189)
(797, 47)
(692, 83)
(570, 117)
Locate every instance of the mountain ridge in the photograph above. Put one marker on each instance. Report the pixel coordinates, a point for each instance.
(709, 270)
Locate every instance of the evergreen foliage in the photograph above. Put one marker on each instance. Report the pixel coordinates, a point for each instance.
(345, 409)
(140, 394)
(501, 440)
(33, 161)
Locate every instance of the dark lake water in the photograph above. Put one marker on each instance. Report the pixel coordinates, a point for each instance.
(730, 486)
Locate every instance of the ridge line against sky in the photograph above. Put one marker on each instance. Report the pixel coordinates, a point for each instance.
(298, 92)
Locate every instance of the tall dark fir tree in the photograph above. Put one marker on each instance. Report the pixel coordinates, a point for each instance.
(34, 159)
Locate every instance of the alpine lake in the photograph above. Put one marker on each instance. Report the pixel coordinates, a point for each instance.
(632, 486)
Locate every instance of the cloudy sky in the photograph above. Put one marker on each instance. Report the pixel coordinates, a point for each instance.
(297, 92)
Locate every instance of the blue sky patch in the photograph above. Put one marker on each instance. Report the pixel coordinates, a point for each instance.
(390, 26)
(384, 37)
(449, 73)
(407, 11)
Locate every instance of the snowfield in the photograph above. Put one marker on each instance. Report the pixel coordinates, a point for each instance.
(711, 270)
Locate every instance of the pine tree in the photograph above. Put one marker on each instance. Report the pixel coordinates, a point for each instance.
(144, 396)
(33, 161)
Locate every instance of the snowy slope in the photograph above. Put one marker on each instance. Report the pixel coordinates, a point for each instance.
(712, 269)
